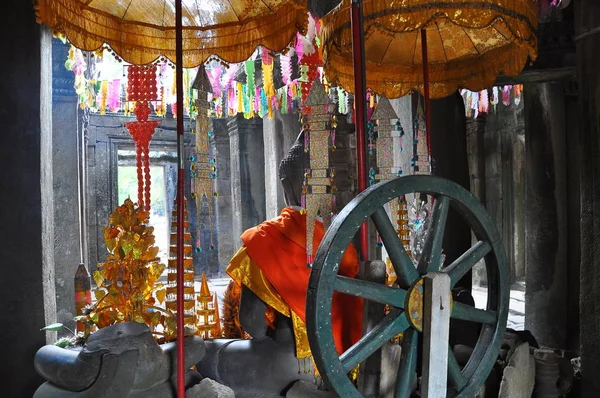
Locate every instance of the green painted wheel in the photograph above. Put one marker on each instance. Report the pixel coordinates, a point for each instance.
(324, 281)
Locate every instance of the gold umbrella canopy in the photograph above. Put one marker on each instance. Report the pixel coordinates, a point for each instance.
(469, 43)
(142, 30)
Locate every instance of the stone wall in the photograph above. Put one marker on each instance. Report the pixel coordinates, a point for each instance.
(66, 169)
(27, 281)
(106, 134)
(496, 153)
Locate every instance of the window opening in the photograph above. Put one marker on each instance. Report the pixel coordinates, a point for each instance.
(159, 211)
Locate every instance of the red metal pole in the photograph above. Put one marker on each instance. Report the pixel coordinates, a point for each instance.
(360, 99)
(426, 91)
(180, 199)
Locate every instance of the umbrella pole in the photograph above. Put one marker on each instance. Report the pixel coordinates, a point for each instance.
(426, 92)
(360, 98)
(180, 199)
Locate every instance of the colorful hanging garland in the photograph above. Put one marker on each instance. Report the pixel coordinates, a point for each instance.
(487, 101)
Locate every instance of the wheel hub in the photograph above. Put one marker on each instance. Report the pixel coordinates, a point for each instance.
(414, 305)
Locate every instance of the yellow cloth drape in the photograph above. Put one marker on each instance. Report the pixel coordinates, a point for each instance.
(142, 30)
(244, 272)
(469, 42)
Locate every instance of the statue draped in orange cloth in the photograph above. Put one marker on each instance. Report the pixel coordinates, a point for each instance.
(272, 263)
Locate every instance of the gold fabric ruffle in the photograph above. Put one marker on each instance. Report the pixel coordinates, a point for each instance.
(244, 272)
(140, 31)
(469, 43)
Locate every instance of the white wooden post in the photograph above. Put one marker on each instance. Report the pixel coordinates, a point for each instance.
(436, 332)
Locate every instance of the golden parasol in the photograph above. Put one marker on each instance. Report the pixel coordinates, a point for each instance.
(469, 43)
(383, 45)
(142, 30)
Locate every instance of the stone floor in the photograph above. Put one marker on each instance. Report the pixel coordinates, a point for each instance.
(516, 314)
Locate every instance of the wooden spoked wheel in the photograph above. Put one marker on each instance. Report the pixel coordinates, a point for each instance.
(324, 280)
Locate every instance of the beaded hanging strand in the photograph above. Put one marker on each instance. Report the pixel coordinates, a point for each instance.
(333, 123)
(142, 88)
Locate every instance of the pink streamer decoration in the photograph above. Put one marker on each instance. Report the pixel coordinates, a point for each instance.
(286, 69)
(80, 64)
(257, 100)
(231, 99)
(506, 95)
(266, 57)
(214, 76)
(299, 47)
(227, 79)
(114, 95)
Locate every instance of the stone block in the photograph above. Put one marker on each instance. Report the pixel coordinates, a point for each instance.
(209, 388)
(307, 389)
(352, 141)
(518, 379)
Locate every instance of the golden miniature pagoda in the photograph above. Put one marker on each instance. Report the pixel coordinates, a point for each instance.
(209, 322)
(188, 276)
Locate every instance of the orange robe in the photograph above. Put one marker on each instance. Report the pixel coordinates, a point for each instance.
(278, 249)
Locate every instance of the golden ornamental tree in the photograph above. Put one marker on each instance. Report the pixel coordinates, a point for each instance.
(127, 280)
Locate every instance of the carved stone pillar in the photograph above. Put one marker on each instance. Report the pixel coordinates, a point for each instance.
(279, 135)
(246, 149)
(223, 215)
(546, 213)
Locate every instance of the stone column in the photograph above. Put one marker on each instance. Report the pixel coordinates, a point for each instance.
(247, 174)
(587, 23)
(279, 135)
(546, 213)
(27, 281)
(476, 155)
(449, 152)
(503, 191)
(223, 214)
(66, 164)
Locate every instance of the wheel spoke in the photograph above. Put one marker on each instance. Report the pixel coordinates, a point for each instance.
(408, 364)
(454, 372)
(464, 263)
(389, 327)
(432, 252)
(467, 313)
(371, 291)
(403, 265)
